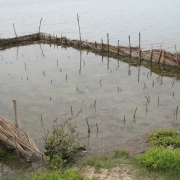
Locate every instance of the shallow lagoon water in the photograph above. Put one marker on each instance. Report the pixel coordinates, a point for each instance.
(48, 80)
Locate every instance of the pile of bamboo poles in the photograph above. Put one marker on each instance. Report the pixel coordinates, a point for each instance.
(155, 55)
(15, 138)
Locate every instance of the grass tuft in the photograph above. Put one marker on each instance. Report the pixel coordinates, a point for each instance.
(69, 174)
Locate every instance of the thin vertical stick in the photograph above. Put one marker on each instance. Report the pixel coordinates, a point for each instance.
(158, 101)
(40, 25)
(129, 46)
(108, 41)
(176, 54)
(88, 126)
(151, 55)
(124, 120)
(97, 127)
(139, 46)
(176, 111)
(118, 48)
(160, 54)
(15, 113)
(14, 30)
(102, 45)
(79, 28)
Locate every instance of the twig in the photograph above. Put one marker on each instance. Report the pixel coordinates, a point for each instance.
(14, 30)
(15, 113)
(40, 25)
(79, 28)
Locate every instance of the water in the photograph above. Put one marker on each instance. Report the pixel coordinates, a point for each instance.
(48, 81)
(157, 21)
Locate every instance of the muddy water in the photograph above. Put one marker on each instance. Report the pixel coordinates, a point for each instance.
(49, 81)
(157, 21)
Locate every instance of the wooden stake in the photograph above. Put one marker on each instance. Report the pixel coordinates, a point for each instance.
(88, 126)
(160, 54)
(79, 29)
(151, 55)
(118, 48)
(40, 25)
(176, 55)
(102, 45)
(129, 46)
(108, 41)
(14, 30)
(139, 46)
(15, 113)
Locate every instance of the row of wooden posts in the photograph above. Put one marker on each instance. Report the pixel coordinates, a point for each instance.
(156, 55)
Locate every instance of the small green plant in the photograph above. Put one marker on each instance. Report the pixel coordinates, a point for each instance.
(165, 137)
(161, 158)
(69, 174)
(62, 142)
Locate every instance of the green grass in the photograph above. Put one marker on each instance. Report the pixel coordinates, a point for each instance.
(105, 161)
(69, 174)
(164, 153)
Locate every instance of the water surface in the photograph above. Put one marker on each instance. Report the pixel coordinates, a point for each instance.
(157, 21)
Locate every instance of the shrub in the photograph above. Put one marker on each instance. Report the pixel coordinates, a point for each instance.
(165, 137)
(62, 142)
(161, 158)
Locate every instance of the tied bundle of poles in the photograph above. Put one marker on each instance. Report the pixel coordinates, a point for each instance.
(13, 137)
(156, 55)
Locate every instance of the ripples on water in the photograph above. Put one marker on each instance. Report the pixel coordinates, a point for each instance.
(157, 21)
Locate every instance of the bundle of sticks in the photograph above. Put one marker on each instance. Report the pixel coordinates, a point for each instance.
(15, 138)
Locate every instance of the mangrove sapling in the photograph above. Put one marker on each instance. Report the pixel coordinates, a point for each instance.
(62, 142)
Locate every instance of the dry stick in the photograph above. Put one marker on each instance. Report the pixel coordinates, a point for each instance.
(160, 54)
(124, 120)
(176, 55)
(173, 83)
(41, 121)
(118, 89)
(129, 46)
(95, 45)
(173, 94)
(158, 101)
(176, 111)
(14, 30)
(147, 102)
(95, 104)
(144, 85)
(163, 54)
(40, 25)
(88, 126)
(101, 44)
(100, 82)
(108, 41)
(79, 28)
(15, 112)
(151, 54)
(71, 111)
(139, 46)
(135, 114)
(97, 127)
(118, 48)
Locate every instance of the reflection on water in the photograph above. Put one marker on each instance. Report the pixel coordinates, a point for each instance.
(157, 21)
(118, 100)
